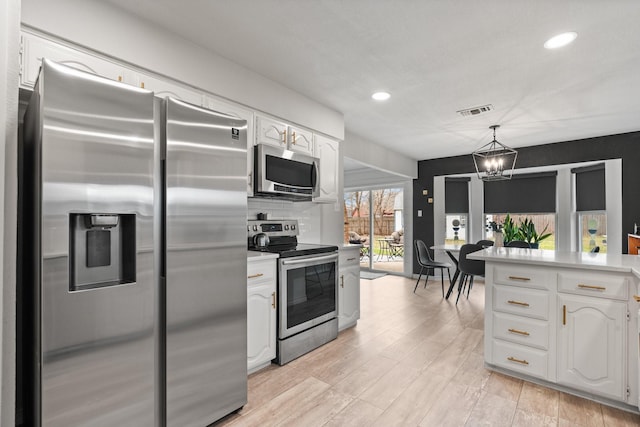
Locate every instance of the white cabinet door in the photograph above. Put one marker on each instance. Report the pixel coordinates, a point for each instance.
(349, 288)
(261, 324)
(164, 88)
(271, 132)
(327, 150)
(591, 345)
(241, 113)
(300, 140)
(34, 48)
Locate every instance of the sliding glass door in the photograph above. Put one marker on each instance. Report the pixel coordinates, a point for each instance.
(374, 218)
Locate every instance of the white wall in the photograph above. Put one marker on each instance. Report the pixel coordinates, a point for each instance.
(379, 157)
(9, 68)
(102, 27)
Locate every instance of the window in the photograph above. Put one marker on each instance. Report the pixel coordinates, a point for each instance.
(456, 207)
(545, 223)
(591, 208)
(593, 231)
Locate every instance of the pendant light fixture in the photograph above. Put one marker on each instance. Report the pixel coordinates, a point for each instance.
(494, 161)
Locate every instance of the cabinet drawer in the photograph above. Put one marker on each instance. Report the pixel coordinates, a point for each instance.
(521, 330)
(594, 284)
(519, 275)
(349, 257)
(521, 301)
(527, 360)
(261, 271)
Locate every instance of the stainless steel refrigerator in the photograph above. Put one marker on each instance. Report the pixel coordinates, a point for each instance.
(132, 257)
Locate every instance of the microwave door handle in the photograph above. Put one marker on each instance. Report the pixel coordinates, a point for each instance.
(313, 175)
(307, 260)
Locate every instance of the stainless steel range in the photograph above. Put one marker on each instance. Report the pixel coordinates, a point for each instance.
(307, 287)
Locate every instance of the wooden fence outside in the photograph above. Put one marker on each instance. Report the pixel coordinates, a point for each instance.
(382, 226)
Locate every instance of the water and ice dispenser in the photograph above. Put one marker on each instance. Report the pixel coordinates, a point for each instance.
(102, 248)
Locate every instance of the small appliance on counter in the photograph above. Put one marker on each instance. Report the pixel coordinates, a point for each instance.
(307, 287)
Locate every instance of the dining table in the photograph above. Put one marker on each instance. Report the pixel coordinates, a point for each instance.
(452, 250)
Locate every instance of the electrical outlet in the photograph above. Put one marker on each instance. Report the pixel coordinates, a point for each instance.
(425, 192)
(430, 200)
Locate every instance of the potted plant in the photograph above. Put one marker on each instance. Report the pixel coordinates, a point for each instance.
(527, 231)
(509, 230)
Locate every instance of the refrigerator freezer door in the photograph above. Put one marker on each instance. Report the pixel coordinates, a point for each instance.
(97, 344)
(206, 290)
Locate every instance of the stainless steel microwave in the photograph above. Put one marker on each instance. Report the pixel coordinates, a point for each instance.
(284, 174)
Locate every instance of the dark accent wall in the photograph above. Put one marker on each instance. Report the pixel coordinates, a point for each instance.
(624, 146)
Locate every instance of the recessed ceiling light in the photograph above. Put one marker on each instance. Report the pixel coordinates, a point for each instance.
(560, 40)
(381, 96)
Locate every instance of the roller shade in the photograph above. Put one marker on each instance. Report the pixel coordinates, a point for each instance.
(590, 188)
(456, 195)
(524, 193)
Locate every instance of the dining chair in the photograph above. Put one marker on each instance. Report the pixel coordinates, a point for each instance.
(518, 244)
(425, 261)
(484, 243)
(469, 268)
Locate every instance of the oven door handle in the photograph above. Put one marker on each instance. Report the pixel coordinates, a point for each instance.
(308, 260)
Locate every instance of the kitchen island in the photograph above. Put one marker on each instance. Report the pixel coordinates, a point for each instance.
(566, 320)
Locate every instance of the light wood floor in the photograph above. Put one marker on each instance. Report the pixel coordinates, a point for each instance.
(412, 360)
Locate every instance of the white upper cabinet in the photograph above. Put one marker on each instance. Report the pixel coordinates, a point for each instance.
(300, 140)
(241, 113)
(271, 132)
(327, 150)
(163, 88)
(279, 134)
(34, 48)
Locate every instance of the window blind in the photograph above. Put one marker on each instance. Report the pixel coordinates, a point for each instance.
(524, 193)
(456, 195)
(590, 188)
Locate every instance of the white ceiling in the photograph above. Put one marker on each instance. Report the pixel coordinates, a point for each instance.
(435, 57)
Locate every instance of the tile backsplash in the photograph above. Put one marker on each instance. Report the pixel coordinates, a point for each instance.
(308, 214)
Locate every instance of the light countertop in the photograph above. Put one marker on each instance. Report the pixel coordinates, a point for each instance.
(260, 255)
(593, 261)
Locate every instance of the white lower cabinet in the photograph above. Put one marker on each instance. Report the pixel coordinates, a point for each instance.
(569, 327)
(261, 313)
(349, 287)
(591, 345)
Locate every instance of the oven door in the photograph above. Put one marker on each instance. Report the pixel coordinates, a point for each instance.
(308, 289)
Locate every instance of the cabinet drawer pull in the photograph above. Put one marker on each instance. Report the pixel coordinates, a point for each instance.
(637, 298)
(515, 331)
(524, 279)
(513, 359)
(342, 280)
(564, 314)
(253, 276)
(595, 288)
(273, 299)
(524, 304)
(351, 259)
(293, 138)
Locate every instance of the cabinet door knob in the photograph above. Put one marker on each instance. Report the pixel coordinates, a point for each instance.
(637, 298)
(293, 137)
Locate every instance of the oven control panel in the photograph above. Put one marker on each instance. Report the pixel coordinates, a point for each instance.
(272, 228)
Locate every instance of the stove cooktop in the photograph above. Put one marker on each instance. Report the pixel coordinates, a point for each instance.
(299, 249)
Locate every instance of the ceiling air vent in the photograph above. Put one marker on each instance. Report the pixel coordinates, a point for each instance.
(475, 110)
